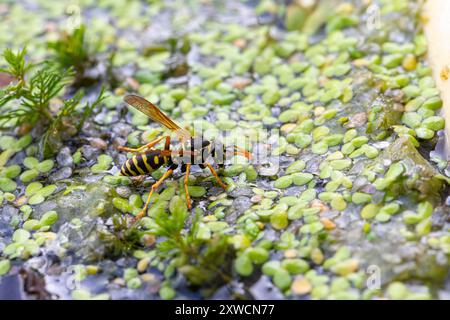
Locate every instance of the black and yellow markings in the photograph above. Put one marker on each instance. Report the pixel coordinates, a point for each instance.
(146, 164)
(142, 164)
(128, 168)
(137, 165)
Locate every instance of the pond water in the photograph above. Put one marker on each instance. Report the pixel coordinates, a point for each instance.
(349, 200)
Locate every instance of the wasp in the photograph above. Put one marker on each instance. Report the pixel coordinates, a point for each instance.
(193, 151)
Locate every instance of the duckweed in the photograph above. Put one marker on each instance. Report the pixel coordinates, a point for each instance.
(412, 119)
(48, 218)
(360, 197)
(312, 228)
(283, 182)
(391, 208)
(319, 148)
(45, 166)
(338, 99)
(397, 291)
(103, 163)
(340, 164)
(279, 220)
(369, 211)
(424, 227)
(433, 103)
(32, 188)
(295, 266)
(382, 217)
(10, 172)
(258, 255)
(36, 199)
(29, 175)
(5, 266)
(31, 224)
(434, 123)
(122, 205)
(234, 170)
(7, 184)
(167, 293)
(359, 141)
(300, 179)
(282, 279)
(302, 140)
(243, 265)
(410, 217)
(196, 191)
(269, 268)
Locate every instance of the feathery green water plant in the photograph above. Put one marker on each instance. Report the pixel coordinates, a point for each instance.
(68, 121)
(27, 100)
(198, 253)
(17, 65)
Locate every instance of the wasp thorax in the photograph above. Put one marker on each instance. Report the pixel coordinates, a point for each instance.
(194, 151)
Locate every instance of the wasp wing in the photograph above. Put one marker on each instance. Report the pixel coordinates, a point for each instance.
(153, 112)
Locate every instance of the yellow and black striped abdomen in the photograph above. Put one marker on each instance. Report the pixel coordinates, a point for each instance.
(142, 164)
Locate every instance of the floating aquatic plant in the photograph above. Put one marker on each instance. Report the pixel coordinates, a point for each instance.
(196, 252)
(68, 121)
(28, 100)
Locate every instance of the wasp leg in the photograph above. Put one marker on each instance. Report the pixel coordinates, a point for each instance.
(153, 188)
(145, 147)
(186, 179)
(210, 167)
